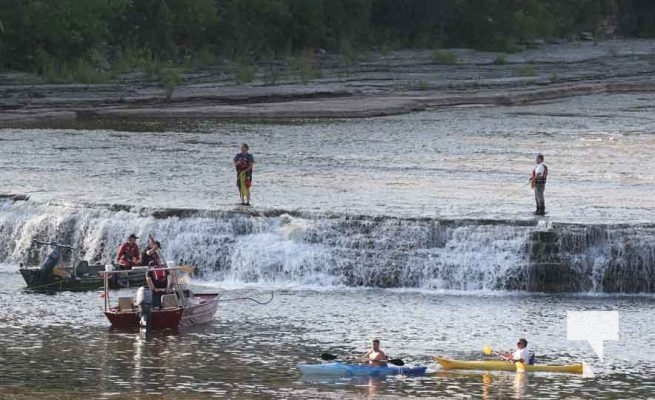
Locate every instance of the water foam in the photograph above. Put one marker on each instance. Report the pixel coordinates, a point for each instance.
(318, 251)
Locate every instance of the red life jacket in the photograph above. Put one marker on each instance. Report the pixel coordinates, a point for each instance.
(158, 274)
(127, 252)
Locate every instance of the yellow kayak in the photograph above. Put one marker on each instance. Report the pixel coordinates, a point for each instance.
(500, 365)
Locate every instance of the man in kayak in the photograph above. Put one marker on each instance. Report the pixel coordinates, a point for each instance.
(522, 354)
(128, 253)
(243, 162)
(375, 356)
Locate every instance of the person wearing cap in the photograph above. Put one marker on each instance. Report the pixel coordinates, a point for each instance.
(158, 279)
(150, 256)
(375, 355)
(243, 162)
(538, 183)
(128, 254)
(522, 354)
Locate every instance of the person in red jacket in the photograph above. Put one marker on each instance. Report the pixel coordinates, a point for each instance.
(128, 253)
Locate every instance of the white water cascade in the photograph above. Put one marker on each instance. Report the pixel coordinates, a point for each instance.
(334, 250)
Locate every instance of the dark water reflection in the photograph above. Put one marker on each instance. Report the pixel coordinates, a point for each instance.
(60, 346)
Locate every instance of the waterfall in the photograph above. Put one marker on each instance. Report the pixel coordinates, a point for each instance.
(278, 247)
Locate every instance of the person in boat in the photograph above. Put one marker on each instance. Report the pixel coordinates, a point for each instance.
(538, 183)
(150, 256)
(244, 162)
(375, 356)
(128, 253)
(522, 354)
(159, 280)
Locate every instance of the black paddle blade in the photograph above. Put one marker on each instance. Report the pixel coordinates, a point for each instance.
(328, 357)
(397, 362)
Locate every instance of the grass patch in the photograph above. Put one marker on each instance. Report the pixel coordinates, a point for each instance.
(271, 75)
(170, 78)
(554, 78)
(245, 73)
(444, 57)
(501, 59)
(305, 68)
(79, 70)
(422, 86)
(349, 53)
(527, 71)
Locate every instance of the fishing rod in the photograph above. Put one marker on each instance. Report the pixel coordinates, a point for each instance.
(263, 303)
(63, 246)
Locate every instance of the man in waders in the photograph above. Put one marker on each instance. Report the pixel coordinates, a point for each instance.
(243, 162)
(538, 183)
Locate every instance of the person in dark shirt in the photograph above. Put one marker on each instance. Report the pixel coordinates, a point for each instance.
(150, 256)
(244, 162)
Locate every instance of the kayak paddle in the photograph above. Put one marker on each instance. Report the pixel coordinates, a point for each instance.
(394, 361)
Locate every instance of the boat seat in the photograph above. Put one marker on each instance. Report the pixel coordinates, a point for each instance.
(124, 304)
(169, 301)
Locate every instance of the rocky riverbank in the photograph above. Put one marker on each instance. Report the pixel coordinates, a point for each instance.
(374, 85)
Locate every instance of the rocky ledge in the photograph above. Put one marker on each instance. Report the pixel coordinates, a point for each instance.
(376, 84)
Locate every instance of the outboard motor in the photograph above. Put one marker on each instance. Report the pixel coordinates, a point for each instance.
(48, 265)
(143, 300)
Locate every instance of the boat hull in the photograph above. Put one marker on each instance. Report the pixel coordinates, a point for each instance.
(499, 365)
(337, 369)
(200, 309)
(161, 319)
(119, 280)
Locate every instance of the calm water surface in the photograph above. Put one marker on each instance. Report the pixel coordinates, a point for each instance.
(61, 345)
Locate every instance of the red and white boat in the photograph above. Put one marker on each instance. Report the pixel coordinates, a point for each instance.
(179, 309)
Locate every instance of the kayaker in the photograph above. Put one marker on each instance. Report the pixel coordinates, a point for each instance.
(128, 254)
(375, 356)
(522, 354)
(243, 162)
(538, 183)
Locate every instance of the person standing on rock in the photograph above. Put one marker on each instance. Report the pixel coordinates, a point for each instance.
(538, 183)
(244, 162)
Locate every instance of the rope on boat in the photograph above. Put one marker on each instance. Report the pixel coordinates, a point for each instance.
(263, 303)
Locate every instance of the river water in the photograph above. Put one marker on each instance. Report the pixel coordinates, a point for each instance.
(60, 346)
(433, 206)
(454, 163)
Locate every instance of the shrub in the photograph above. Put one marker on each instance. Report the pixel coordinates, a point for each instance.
(170, 78)
(501, 59)
(527, 70)
(305, 68)
(444, 57)
(245, 73)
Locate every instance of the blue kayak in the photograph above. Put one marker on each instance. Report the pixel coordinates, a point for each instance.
(348, 370)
